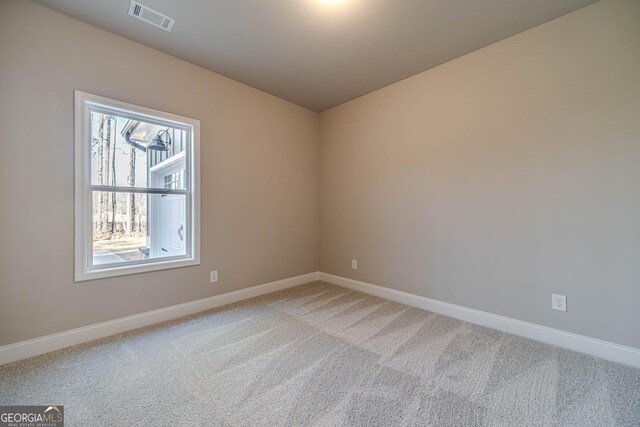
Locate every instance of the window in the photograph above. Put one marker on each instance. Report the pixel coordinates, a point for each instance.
(136, 189)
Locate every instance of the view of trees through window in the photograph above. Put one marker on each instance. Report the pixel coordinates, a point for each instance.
(121, 219)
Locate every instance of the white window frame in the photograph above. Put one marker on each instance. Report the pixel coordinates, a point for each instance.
(84, 268)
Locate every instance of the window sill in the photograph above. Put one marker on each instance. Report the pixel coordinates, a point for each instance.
(102, 273)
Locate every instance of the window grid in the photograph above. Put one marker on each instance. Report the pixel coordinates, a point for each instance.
(178, 183)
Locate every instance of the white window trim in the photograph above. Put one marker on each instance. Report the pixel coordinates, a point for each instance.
(83, 225)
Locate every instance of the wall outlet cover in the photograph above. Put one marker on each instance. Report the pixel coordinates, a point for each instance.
(354, 264)
(213, 276)
(559, 302)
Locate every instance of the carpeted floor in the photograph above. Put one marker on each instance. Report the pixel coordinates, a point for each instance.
(322, 355)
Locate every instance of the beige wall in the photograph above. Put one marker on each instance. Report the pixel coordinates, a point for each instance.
(490, 181)
(259, 174)
(501, 177)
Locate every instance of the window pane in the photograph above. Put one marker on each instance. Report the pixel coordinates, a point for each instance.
(120, 155)
(133, 227)
(174, 180)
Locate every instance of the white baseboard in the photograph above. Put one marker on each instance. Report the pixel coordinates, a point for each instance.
(34, 347)
(592, 346)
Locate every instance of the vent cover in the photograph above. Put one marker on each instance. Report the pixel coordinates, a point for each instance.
(150, 16)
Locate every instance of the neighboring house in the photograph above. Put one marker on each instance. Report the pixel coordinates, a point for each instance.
(166, 214)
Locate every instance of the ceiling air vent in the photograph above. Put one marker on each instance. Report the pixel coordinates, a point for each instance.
(150, 16)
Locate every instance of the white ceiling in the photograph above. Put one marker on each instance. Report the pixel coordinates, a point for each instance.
(315, 54)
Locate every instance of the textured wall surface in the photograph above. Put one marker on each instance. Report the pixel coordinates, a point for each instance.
(501, 177)
(259, 174)
(491, 181)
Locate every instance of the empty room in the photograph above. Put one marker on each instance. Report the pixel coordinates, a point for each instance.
(320, 213)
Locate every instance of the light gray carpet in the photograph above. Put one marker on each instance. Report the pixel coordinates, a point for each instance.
(322, 355)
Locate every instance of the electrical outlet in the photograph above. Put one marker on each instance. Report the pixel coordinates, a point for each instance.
(213, 276)
(354, 264)
(559, 302)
